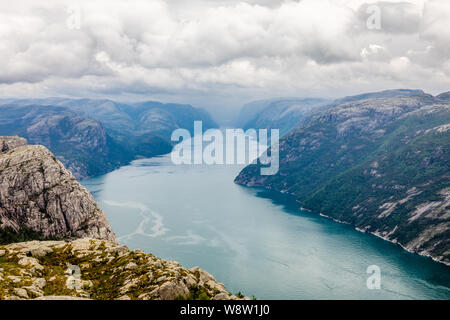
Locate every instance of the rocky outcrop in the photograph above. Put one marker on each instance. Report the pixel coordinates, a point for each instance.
(38, 195)
(95, 269)
(79, 142)
(8, 143)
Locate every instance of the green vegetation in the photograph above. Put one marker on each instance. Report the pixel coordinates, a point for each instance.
(9, 235)
(195, 293)
(107, 272)
(373, 179)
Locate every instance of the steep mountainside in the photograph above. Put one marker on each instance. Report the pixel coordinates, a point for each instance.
(154, 116)
(40, 199)
(282, 114)
(81, 143)
(386, 94)
(92, 137)
(381, 165)
(137, 118)
(286, 114)
(39, 269)
(250, 110)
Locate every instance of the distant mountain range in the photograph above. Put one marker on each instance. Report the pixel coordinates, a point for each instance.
(286, 114)
(379, 161)
(93, 137)
(280, 113)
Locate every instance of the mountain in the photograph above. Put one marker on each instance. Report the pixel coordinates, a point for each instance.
(39, 198)
(380, 95)
(444, 96)
(93, 137)
(143, 129)
(379, 164)
(153, 116)
(81, 143)
(133, 118)
(282, 114)
(286, 114)
(250, 110)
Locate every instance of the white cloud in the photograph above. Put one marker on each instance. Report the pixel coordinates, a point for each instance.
(374, 52)
(219, 52)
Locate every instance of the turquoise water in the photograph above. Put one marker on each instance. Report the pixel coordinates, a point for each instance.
(252, 241)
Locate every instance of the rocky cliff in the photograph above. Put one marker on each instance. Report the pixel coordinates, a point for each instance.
(379, 164)
(40, 198)
(9, 143)
(94, 269)
(79, 142)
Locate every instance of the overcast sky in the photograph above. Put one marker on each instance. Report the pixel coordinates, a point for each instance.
(221, 53)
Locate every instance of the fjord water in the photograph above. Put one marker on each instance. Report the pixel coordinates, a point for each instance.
(252, 241)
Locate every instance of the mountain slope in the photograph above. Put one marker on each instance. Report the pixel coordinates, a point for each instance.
(132, 118)
(282, 114)
(40, 199)
(93, 137)
(286, 114)
(381, 165)
(386, 94)
(81, 143)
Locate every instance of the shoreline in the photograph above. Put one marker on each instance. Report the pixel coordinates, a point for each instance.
(421, 254)
(425, 255)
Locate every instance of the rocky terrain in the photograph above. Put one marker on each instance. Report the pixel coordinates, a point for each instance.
(9, 143)
(95, 269)
(93, 137)
(286, 114)
(380, 164)
(40, 198)
(79, 142)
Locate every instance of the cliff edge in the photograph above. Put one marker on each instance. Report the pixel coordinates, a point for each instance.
(41, 199)
(98, 270)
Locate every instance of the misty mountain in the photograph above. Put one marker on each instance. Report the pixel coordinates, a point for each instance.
(287, 113)
(92, 137)
(379, 95)
(379, 164)
(282, 114)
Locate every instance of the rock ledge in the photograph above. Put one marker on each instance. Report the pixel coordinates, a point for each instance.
(100, 270)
